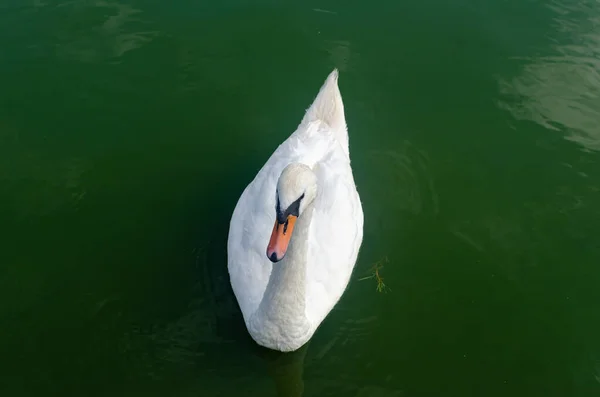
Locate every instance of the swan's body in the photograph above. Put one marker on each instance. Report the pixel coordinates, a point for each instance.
(306, 189)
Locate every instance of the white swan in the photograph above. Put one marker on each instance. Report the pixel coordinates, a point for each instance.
(296, 230)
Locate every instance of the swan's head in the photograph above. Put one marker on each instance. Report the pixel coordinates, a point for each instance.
(296, 189)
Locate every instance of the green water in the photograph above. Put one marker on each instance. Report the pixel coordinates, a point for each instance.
(128, 130)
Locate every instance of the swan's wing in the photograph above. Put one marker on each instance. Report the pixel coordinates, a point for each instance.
(249, 232)
(336, 234)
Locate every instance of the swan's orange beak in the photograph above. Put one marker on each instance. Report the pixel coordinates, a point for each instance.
(280, 238)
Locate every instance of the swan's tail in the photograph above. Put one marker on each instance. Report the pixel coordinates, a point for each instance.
(328, 107)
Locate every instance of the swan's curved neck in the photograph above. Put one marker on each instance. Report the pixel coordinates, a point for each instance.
(283, 307)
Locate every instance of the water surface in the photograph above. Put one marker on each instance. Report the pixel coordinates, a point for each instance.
(128, 130)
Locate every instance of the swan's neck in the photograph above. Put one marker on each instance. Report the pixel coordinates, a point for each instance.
(282, 311)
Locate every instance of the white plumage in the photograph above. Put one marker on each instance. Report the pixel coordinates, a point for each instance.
(283, 303)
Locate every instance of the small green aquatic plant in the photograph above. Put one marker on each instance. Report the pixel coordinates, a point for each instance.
(376, 274)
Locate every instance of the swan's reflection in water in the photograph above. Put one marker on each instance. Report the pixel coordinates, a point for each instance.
(286, 370)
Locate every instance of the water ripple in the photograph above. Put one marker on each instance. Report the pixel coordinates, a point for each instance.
(561, 91)
(118, 33)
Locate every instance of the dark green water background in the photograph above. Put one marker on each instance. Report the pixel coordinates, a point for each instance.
(128, 130)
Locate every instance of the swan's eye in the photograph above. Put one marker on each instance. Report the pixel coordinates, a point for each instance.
(294, 208)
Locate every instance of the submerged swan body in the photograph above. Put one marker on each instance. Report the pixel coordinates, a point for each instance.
(296, 230)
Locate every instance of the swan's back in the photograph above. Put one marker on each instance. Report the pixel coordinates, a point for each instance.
(336, 229)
